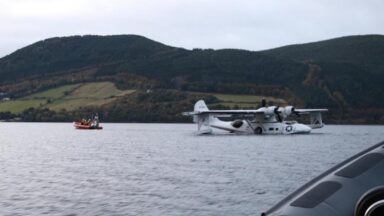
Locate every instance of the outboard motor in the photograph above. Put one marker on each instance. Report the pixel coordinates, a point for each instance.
(354, 187)
(371, 203)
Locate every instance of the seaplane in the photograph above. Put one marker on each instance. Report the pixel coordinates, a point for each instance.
(265, 120)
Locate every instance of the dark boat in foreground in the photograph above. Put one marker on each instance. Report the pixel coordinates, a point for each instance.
(354, 187)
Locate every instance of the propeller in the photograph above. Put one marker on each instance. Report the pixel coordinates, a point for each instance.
(263, 103)
(277, 112)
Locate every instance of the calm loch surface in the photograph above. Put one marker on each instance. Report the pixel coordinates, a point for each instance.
(161, 169)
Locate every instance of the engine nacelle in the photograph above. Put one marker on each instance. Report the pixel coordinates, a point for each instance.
(288, 110)
(269, 110)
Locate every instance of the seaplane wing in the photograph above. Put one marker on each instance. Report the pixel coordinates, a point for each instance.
(224, 112)
(308, 111)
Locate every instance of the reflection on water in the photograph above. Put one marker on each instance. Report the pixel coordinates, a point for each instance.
(161, 169)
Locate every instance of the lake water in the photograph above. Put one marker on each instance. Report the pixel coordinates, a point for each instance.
(161, 169)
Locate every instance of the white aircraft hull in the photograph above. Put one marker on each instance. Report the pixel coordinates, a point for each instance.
(247, 127)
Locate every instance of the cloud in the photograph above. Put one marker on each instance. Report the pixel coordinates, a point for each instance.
(245, 24)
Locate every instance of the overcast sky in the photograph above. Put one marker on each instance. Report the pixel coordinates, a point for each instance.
(244, 24)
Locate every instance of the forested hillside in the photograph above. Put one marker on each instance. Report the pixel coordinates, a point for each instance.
(343, 74)
(365, 52)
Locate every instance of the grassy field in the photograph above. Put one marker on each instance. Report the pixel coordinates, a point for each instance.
(19, 106)
(54, 93)
(72, 97)
(69, 97)
(101, 90)
(243, 101)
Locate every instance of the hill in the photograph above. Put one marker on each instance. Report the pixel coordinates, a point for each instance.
(66, 53)
(366, 52)
(138, 55)
(351, 67)
(343, 74)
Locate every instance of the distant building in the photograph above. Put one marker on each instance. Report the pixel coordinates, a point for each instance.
(3, 95)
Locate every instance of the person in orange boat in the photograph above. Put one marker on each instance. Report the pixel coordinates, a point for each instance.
(83, 121)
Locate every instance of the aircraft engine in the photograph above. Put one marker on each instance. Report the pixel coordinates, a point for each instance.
(288, 110)
(270, 110)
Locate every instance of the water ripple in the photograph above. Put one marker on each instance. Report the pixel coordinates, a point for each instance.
(161, 169)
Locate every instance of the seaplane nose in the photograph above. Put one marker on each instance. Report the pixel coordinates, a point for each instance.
(301, 128)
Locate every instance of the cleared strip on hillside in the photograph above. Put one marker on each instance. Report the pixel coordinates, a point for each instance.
(68, 97)
(19, 106)
(53, 93)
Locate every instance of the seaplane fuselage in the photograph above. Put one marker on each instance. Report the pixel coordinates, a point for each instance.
(255, 127)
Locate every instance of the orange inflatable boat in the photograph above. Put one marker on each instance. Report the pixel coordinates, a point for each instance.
(79, 125)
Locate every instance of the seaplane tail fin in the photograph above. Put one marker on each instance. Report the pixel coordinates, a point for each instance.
(315, 120)
(201, 106)
(202, 120)
(199, 109)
